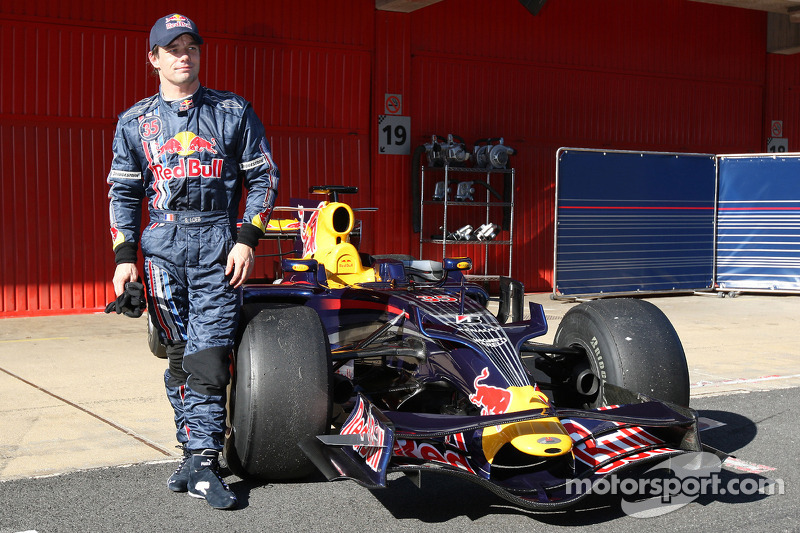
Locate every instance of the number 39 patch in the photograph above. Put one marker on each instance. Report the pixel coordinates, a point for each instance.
(149, 128)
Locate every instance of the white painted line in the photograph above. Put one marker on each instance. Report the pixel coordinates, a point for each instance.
(34, 340)
(744, 466)
(739, 381)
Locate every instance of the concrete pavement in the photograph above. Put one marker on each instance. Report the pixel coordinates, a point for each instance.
(83, 391)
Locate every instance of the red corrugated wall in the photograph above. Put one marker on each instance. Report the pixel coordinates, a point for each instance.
(391, 225)
(783, 97)
(67, 71)
(667, 75)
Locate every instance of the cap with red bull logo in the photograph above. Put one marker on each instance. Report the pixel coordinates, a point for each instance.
(168, 28)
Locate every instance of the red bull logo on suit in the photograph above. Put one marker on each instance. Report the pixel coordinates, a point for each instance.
(188, 168)
(185, 144)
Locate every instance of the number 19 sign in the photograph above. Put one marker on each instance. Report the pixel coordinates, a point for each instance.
(394, 134)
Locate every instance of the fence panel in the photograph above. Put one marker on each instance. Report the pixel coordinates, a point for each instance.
(633, 222)
(758, 236)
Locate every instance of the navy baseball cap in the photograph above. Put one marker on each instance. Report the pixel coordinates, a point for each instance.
(167, 29)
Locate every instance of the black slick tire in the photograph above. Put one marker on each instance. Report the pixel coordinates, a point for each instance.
(281, 391)
(153, 341)
(629, 343)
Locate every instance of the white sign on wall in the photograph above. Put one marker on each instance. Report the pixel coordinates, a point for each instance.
(392, 104)
(394, 134)
(777, 145)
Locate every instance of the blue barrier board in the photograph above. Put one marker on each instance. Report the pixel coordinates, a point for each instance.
(629, 222)
(758, 234)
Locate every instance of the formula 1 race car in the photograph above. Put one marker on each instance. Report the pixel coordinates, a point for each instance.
(365, 365)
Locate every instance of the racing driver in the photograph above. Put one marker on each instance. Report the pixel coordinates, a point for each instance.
(189, 152)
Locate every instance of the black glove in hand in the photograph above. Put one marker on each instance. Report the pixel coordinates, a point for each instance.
(131, 303)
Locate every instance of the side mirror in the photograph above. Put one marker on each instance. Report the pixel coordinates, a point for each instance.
(457, 263)
(299, 265)
(306, 270)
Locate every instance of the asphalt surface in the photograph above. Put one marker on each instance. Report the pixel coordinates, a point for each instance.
(86, 439)
(758, 429)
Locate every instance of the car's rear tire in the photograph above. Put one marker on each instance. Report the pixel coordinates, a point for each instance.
(629, 343)
(153, 340)
(281, 391)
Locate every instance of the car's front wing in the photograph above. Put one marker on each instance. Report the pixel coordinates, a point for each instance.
(373, 443)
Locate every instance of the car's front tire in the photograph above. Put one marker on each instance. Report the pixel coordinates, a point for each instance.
(629, 343)
(281, 391)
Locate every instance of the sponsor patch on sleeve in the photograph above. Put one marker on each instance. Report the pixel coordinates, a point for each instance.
(125, 175)
(247, 165)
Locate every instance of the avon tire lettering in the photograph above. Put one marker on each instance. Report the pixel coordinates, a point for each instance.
(601, 364)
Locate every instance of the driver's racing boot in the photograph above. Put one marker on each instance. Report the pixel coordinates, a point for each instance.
(179, 480)
(205, 481)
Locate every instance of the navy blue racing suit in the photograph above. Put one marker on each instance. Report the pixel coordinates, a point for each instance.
(191, 159)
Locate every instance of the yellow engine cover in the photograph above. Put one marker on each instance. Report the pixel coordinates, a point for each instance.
(343, 266)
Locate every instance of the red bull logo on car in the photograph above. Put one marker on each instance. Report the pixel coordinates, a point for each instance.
(541, 437)
(492, 400)
(308, 231)
(363, 422)
(185, 144)
(429, 452)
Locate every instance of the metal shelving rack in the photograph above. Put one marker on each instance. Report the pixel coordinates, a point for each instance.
(446, 203)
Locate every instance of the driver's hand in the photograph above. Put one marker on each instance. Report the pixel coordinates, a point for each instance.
(124, 273)
(240, 263)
